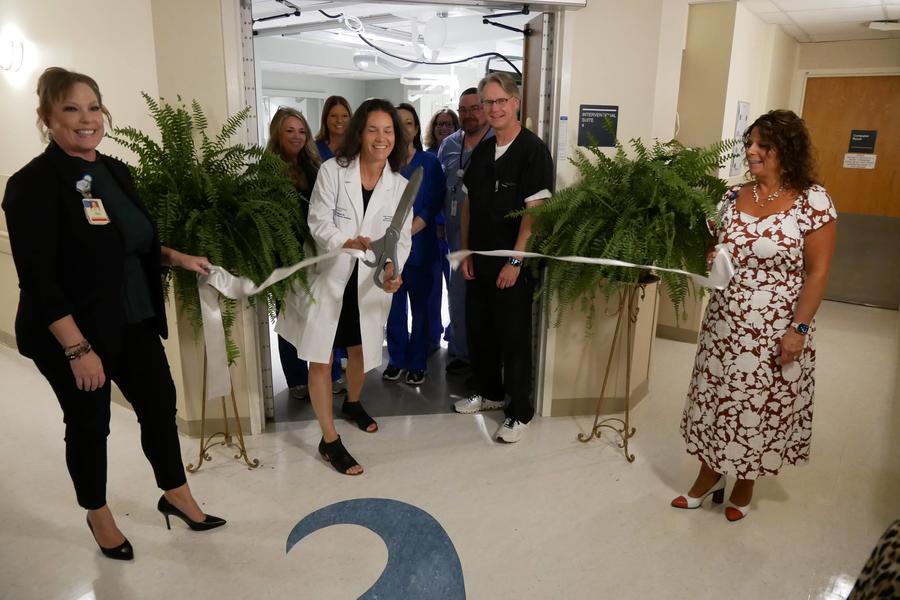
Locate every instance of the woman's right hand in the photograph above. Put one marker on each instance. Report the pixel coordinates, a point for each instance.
(358, 243)
(88, 372)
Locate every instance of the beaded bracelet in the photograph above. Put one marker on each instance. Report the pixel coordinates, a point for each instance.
(78, 350)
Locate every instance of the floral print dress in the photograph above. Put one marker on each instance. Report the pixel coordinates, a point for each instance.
(746, 415)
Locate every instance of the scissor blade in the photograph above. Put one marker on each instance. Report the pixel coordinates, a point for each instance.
(407, 199)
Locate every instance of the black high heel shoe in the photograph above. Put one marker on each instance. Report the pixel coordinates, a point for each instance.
(166, 508)
(123, 551)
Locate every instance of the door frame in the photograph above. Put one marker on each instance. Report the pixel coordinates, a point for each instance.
(261, 398)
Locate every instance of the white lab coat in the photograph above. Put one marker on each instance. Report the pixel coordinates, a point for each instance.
(310, 322)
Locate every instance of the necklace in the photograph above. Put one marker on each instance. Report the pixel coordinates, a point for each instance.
(769, 198)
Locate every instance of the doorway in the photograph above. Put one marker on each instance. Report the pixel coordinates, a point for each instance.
(855, 128)
(305, 51)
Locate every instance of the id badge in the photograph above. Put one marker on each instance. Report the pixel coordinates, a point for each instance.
(95, 211)
(453, 204)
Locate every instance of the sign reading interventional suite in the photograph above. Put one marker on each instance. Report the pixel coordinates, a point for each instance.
(592, 125)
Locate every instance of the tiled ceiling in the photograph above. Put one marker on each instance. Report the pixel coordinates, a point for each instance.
(827, 20)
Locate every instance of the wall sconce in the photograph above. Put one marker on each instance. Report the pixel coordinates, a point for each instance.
(12, 54)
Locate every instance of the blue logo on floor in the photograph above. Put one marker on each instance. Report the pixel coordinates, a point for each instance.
(422, 562)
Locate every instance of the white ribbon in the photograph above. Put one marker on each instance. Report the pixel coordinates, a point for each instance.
(719, 275)
(218, 380)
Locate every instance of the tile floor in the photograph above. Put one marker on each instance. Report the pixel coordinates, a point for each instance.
(548, 518)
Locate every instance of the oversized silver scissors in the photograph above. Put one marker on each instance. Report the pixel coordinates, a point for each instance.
(385, 247)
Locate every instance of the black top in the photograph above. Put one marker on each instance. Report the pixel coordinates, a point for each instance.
(496, 188)
(66, 265)
(137, 237)
(310, 174)
(367, 195)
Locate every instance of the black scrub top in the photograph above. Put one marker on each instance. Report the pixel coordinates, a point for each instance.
(496, 188)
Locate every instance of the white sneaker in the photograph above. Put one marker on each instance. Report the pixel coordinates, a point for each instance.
(476, 403)
(511, 431)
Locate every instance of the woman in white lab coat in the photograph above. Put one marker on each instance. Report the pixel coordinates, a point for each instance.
(352, 203)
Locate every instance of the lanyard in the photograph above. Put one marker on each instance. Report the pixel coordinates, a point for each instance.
(463, 166)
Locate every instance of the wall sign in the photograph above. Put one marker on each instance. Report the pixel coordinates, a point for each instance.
(859, 161)
(740, 125)
(862, 141)
(592, 123)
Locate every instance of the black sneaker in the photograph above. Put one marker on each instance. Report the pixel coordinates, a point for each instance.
(457, 366)
(415, 377)
(392, 373)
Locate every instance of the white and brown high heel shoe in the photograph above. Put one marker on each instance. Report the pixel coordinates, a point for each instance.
(733, 512)
(689, 502)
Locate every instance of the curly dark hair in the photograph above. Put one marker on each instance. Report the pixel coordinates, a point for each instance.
(784, 131)
(352, 145)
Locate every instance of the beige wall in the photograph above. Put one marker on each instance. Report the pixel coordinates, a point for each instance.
(123, 62)
(730, 56)
(620, 53)
(864, 57)
(207, 31)
(704, 73)
(626, 54)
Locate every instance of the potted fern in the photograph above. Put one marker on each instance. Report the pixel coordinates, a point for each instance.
(234, 204)
(651, 208)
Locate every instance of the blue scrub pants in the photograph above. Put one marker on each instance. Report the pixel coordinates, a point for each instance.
(409, 350)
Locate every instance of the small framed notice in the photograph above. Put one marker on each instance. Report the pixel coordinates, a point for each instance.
(859, 161)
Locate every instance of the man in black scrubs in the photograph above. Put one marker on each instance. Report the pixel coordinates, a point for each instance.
(509, 172)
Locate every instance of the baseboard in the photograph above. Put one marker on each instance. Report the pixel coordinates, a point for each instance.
(567, 407)
(7, 339)
(679, 334)
(192, 428)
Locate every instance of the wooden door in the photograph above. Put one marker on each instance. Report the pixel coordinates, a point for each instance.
(866, 267)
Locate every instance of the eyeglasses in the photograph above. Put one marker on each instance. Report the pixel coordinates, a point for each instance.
(501, 102)
(474, 109)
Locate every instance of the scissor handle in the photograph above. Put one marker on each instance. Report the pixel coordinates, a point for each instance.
(385, 249)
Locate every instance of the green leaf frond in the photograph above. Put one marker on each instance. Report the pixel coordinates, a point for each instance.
(648, 205)
(232, 203)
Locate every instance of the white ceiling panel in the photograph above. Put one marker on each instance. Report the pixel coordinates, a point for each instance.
(816, 20)
(789, 5)
(760, 6)
(838, 15)
(776, 18)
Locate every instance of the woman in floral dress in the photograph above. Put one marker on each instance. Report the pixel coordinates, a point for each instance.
(749, 406)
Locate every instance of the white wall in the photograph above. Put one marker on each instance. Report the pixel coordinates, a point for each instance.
(121, 59)
(351, 89)
(611, 55)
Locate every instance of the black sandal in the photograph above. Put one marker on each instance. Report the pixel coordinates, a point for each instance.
(354, 411)
(335, 453)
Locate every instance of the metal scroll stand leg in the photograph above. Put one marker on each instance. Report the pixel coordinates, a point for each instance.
(628, 312)
(207, 443)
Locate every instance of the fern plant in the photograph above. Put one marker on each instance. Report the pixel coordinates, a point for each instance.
(651, 208)
(234, 204)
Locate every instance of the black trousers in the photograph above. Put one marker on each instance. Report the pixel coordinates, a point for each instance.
(142, 374)
(498, 323)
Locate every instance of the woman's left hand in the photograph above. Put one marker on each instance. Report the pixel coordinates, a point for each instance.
(391, 283)
(792, 344)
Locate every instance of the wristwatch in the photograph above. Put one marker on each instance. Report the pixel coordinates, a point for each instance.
(801, 328)
(516, 262)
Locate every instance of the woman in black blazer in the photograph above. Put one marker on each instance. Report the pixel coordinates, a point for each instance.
(91, 304)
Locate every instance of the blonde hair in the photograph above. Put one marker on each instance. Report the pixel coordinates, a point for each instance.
(53, 86)
(308, 154)
(504, 80)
